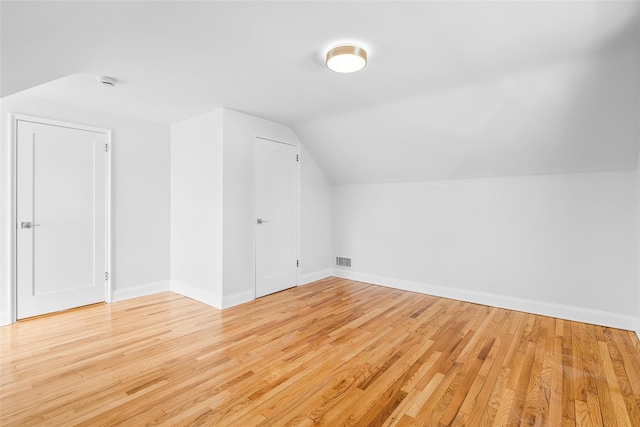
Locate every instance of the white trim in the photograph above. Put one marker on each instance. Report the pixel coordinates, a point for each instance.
(140, 290)
(638, 328)
(59, 123)
(277, 139)
(579, 314)
(108, 229)
(14, 118)
(197, 294)
(12, 315)
(315, 276)
(238, 298)
(254, 198)
(299, 215)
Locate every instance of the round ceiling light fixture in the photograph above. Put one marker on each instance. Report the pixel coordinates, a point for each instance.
(346, 59)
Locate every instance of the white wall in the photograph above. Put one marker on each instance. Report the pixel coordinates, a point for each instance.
(140, 194)
(316, 196)
(562, 245)
(196, 208)
(212, 207)
(239, 132)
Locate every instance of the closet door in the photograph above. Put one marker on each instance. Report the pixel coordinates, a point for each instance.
(277, 195)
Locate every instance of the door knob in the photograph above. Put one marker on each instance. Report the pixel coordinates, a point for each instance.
(28, 225)
(261, 221)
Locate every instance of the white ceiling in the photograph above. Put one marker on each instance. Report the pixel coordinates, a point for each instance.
(452, 89)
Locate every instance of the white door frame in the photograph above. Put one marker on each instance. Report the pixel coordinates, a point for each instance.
(12, 217)
(255, 204)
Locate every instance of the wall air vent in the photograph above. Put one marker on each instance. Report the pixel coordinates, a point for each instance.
(343, 262)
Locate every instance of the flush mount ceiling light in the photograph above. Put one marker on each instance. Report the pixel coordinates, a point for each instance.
(346, 59)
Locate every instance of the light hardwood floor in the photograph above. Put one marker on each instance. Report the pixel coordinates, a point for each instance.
(332, 353)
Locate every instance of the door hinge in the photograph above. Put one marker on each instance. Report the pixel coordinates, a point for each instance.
(106, 275)
(297, 157)
(298, 263)
(106, 147)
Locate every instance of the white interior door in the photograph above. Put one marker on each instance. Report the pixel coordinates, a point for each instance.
(276, 216)
(61, 218)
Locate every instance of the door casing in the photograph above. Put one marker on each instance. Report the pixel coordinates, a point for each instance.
(12, 217)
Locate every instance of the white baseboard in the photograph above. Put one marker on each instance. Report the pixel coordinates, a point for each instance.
(305, 279)
(196, 294)
(211, 299)
(139, 290)
(638, 328)
(579, 314)
(117, 295)
(238, 298)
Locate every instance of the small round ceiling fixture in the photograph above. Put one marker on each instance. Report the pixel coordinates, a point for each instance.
(346, 59)
(107, 81)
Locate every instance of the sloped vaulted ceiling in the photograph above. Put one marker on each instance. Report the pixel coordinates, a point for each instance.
(453, 89)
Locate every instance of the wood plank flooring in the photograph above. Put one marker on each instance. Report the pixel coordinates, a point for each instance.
(335, 352)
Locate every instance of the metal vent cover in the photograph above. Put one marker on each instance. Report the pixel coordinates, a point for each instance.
(343, 262)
